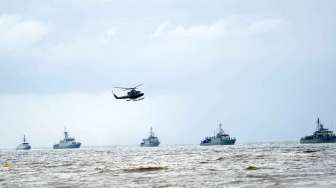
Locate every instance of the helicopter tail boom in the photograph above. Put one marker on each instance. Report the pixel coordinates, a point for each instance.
(115, 96)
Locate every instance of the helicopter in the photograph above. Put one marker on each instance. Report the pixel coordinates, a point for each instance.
(132, 95)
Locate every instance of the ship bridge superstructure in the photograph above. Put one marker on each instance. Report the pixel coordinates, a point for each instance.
(321, 131)
(67, 142)
(151, 141)
(24, 145)
(221, 138)
(321, 135)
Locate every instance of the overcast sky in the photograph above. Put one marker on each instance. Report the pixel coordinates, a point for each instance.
(264, 68)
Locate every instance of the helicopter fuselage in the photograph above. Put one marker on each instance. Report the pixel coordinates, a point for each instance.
(133, 95)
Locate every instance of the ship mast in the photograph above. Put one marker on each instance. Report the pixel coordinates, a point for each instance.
(24, 138)
(319, 125)
(65, 133)
(220, 128)
(151, 134)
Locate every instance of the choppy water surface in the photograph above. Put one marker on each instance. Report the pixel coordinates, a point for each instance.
(242, 165)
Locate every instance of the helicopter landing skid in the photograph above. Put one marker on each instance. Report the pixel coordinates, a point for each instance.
(135, 99)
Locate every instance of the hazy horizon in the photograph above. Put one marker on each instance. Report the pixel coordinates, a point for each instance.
(264, 69)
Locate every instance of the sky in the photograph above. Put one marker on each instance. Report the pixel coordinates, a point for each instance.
(265, 69)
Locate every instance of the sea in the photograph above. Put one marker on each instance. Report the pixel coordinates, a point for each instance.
(242, 165)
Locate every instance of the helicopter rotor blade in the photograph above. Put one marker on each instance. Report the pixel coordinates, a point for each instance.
(128, 88)
(138, 86)
(123, 88)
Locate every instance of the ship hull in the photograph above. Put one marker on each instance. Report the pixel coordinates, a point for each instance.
(23, 147)
(149, 145)
(226, 142)
(317, 141)
(70, 146)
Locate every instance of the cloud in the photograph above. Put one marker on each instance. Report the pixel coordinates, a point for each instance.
(160, 29)
(211, 31)
(249, 65)
(267, 25)
(17, 32)
(231, 26)
(107, 35)
(224, 37)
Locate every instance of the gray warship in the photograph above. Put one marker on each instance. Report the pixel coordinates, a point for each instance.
(151, 141)
(321, 135)
(24, 145)
(67, 142)
(220, 138)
